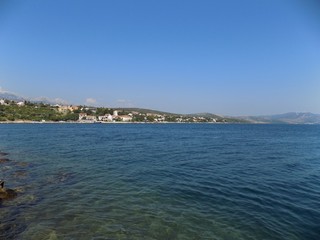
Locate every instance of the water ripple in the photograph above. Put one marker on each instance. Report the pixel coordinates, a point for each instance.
(175, 181)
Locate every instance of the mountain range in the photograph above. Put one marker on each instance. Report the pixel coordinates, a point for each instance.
(286, 118)
(15, 97)
(10, 96)
(289, 118)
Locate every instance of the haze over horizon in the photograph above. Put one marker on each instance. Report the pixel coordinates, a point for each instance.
(224, 57)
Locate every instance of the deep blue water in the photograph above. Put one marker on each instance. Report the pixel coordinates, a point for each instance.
(161, 181)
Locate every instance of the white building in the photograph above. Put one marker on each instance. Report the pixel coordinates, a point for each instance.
(91, 118)
(20, 104)
(125, 118)
(106, 118)
(82, 116)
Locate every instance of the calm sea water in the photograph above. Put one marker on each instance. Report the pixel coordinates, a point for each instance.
(161, 181)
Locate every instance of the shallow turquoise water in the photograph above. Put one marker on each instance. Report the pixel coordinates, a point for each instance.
(161, 181)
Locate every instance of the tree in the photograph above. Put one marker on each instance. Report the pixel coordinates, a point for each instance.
(150, 118)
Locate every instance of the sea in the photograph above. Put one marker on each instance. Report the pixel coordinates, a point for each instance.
(161, 181)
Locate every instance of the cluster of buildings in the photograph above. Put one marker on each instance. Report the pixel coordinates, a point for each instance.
(84, 117)
(66, 109)
(6, 102)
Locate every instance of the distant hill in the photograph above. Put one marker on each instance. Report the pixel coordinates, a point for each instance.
(10, 96)
(145, 111)
(209, 115)
(287, 118)
(218, 118)
(14, 97)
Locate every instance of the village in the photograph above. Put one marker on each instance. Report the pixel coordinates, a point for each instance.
(43, 112)
(126, 116)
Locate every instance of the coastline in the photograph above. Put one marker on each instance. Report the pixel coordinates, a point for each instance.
(98, 122)
(87, 122)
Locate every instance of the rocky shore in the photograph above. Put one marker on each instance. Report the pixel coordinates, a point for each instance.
(10, 227)
(19, 191)
(6, 193)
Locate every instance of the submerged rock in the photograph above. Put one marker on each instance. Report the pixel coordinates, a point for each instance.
(20, 174)
(20, 189)
(10, 230)
(6, 193)
(22, 164)
(3, 154)
(40, 232)
(6, 168)
(64, 176)
(4, 160)
(61, 177)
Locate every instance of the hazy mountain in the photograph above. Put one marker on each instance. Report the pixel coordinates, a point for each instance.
(49, 101)
(289, 118)
(15, 97)
(10, 96)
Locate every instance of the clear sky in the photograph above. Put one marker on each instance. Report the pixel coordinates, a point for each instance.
(231, 57)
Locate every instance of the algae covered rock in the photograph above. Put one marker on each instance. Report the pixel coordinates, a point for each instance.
(4, 160)
(6, 193)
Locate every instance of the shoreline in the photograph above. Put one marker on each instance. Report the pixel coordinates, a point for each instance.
(98, 122)
(76, 122)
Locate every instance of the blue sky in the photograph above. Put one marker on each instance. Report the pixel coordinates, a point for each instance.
(228, 57)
